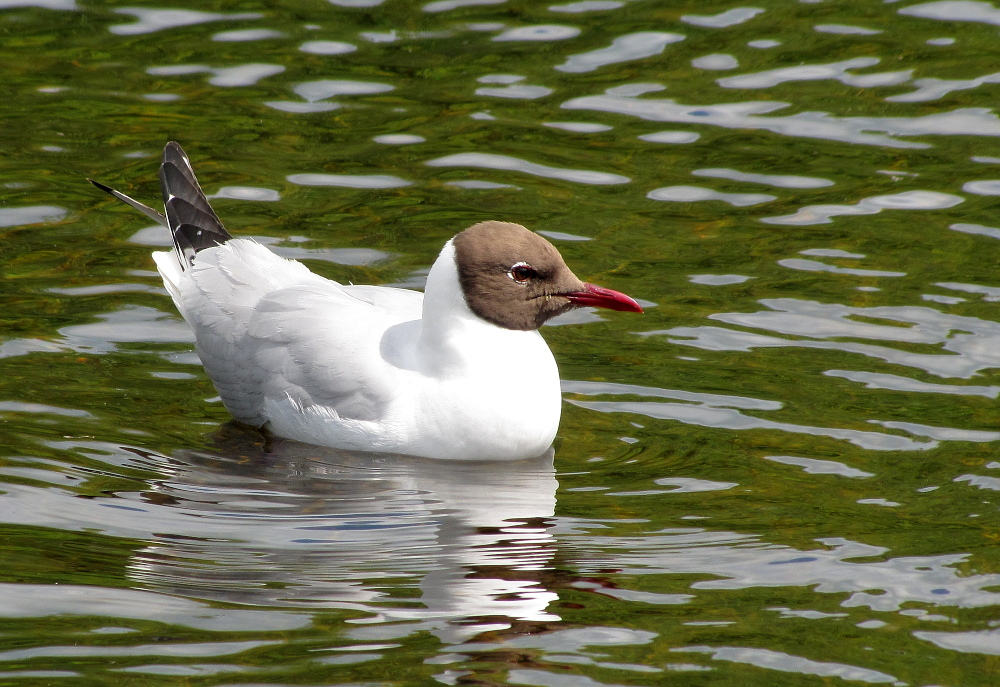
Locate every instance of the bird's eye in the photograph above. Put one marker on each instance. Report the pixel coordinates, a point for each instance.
(521, 272)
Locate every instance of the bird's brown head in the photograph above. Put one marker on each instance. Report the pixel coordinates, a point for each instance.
(516, 279)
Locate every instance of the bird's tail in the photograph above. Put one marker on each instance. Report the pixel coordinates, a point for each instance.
(192, 222)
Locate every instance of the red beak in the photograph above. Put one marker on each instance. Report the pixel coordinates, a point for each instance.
(603, 298)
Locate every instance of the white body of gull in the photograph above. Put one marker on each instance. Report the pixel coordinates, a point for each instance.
(457, 372)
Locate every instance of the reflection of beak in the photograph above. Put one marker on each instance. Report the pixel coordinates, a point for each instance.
(603, 298)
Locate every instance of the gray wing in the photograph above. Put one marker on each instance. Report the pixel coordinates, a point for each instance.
(320, 345)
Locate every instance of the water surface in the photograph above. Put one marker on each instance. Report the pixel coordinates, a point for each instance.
(784, 473)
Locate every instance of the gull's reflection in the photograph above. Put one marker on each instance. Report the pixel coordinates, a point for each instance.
(281, 523)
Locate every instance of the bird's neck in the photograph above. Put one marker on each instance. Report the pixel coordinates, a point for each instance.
(444, 304)
(453, 339)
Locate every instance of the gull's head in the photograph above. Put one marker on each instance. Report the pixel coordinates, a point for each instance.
(515, 279)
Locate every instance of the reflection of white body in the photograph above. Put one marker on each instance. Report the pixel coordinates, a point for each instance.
(318, 528)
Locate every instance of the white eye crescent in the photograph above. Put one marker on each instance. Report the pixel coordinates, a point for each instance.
(522, 272)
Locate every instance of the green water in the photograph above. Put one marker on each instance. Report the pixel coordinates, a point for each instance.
(784, 473)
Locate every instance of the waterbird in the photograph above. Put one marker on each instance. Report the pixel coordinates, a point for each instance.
(456, 372)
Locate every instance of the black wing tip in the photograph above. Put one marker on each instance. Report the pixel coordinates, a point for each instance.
(172, 151)
(193, 222)
(106, 189)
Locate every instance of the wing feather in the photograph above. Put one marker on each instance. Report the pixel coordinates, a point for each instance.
(194, 226)
(268, 330)
(279, 342)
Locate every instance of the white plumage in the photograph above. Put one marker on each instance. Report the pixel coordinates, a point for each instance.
(364, 367)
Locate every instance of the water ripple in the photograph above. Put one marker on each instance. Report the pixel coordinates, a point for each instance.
(939, 433)
(732, 17)
(691, 194)
(932, 89)
(399, 139)
(969, 341)
(151, 20)
(328, 88)
(295, 107)
(35, 600)
(980, 481)
(98, 289)
(516, 91)
(815, 466)
(541, 32)
(710, 410)
(475, 184)
(832, 253)
(394, 35)
(448, 5)
(816, 266)
(846, 30)
(587, 6)
(130, 324)
(789, 663)
(822, 320)
(989, 187)
(327, 47)
(716, 61)
(717, 279)
(370, 181)
(972, 121)
(991, 294)
(578, 127)
(963, 365)
(879, 380)
(907, 200)
(708, 400)
(689, 485)
(633, 46)
(671, 137)
(976, 642)
(836, 71)
(243, 35)
(780, 180)
(316, 93)
(514, 164)
(955, 10)
(724, 418)
(19, 407)
(240, 75)
(199, 649)
(887, 585)
(247, 193)
(32, 214)
(44, 4)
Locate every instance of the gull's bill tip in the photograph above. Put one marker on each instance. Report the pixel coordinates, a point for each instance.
(600, 297)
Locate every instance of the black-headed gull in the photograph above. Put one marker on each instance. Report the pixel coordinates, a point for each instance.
(459, 371)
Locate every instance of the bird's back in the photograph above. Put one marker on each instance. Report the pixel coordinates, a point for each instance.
(269, 331)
